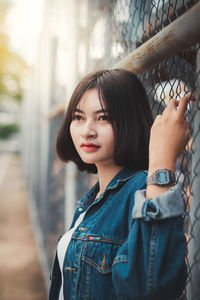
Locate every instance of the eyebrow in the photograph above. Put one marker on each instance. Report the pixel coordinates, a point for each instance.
(96, 112)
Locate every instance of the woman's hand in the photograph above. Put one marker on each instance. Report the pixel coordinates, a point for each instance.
(169, 135)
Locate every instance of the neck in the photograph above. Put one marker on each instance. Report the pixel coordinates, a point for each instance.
(105, 174)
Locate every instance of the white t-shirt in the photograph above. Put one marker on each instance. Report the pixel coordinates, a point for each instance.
(62, 248)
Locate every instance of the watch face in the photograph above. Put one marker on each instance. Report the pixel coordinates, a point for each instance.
(162, 177)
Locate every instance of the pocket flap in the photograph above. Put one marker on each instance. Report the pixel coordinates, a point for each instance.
(100, 254)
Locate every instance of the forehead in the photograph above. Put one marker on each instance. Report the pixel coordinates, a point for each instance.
(90, 101)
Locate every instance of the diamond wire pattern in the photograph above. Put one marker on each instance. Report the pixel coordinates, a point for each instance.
(113, 29)
(128, 24)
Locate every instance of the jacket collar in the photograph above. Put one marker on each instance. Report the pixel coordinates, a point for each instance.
(119, 179)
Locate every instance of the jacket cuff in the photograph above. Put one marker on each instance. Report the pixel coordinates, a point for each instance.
(166, 205)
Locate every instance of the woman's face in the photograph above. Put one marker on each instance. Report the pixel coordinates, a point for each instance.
(92, 132)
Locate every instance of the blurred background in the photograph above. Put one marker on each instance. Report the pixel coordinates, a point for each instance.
(46, 47)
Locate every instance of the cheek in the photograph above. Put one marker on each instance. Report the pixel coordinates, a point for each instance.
(70, 129)
(112, 132)
(110, 137)
(112, 141)
(72, 132)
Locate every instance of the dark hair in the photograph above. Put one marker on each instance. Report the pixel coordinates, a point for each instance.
(128, 107)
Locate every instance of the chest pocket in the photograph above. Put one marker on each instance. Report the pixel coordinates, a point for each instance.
(97, 260)
(100, 253)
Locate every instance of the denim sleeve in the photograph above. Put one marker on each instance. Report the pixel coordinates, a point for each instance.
(151, 263)
(166, 205)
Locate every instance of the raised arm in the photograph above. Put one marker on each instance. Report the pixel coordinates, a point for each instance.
(151, 263)
(169, 135)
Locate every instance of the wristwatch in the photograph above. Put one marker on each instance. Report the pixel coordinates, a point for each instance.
(162, 177)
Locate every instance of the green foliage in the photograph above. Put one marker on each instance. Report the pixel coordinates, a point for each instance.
(12, 66)
(6, 130)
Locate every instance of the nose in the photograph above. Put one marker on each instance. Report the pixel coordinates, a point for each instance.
(89, 130)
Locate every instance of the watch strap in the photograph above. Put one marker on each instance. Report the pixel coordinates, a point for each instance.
(168, 178)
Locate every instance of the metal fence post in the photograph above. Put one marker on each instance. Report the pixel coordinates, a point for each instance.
(193, 290)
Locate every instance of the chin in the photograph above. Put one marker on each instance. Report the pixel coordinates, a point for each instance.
(89, 162)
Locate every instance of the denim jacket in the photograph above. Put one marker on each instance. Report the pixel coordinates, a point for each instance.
(127, 246)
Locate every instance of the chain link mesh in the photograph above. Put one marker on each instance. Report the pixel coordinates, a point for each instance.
(115, 29)
(108, 30)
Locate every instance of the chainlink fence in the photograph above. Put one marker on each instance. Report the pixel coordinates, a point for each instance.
(106, 32)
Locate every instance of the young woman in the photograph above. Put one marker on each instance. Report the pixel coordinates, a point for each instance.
(126, 240)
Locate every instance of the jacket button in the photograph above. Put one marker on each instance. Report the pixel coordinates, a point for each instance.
(80, 209)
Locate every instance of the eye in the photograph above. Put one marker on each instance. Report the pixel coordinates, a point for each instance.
(103, 118)
(78, 117)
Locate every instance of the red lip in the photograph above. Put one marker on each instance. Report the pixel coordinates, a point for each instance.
(89, 147)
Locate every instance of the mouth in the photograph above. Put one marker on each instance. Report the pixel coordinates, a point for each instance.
(89, 147)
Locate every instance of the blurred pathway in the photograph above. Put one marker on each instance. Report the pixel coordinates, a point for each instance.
(20, 272)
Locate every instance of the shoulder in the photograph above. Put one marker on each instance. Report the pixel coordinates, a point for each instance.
(138, 180)
(127, 191)
(133, 182)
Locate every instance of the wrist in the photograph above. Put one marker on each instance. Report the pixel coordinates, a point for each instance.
(159, 182)
(162, 177)
(155, 190)
(158, 166)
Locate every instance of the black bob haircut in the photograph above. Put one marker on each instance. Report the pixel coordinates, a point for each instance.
(130, 114)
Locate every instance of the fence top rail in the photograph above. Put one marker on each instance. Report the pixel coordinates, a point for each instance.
(176, 37)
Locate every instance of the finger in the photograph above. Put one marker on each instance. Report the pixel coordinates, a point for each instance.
(157, 118)
(171, 106)
(182, 106)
